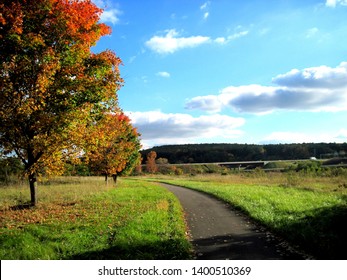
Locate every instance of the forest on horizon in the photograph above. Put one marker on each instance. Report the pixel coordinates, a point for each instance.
(207, 153)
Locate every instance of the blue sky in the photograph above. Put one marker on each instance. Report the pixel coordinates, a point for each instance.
(231, 71)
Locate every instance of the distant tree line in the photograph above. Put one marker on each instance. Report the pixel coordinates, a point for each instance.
(207, 153)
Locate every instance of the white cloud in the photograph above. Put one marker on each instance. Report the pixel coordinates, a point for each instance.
(237, 35)
(163, 74)
(312, 89)
(160, 128)
(110, 16)
(264, 31)
(132, 59)
(333, 3)
(299, 137)
(205, 8)
(171, 43)
(205, 5)
(330, 3)
(99, 3)
(311, 32)
(208, 103)
(228, 39)
(220, 40)
(323, 77)
(144, 79)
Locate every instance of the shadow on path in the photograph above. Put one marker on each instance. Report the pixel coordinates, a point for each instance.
(252, 246)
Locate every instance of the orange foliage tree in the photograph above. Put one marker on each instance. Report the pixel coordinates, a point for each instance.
(151, 165)
(50, 81)
(112, 146)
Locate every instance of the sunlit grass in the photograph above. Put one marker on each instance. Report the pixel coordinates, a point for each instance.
(82, 218)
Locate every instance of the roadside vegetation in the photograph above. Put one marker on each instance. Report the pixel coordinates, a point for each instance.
(83, 218)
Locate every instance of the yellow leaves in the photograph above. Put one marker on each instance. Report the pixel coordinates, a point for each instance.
(35, 39)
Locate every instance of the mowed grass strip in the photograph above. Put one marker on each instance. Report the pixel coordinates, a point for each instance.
(309, 217)
(85, 219)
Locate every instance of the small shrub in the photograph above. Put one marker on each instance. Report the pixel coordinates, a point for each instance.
(292, 179)
(310, 167)
(178, 171)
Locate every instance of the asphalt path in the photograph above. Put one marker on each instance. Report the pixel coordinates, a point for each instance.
(219, 232)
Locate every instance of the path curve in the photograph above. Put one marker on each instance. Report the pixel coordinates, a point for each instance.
(218, 232)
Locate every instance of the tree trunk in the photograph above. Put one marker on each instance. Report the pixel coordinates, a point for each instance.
(106, 179)
(6, 176)
(115, 178)
(33, 187)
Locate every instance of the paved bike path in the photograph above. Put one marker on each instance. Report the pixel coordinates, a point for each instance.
(218, 232)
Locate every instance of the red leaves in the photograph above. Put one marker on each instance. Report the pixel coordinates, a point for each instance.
(81, 19)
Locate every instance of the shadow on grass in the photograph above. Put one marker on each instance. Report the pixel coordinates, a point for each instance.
(173, 249)
(22, 206)
(321, 232)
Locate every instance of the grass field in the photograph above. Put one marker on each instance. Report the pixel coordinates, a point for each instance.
(82, 218)
(310, 212)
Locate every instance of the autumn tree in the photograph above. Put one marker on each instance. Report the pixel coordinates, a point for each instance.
(113, 146)
(151, 165)
(50, 81)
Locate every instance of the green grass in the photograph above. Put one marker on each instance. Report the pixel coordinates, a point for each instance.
(82, 218)
(310, 216)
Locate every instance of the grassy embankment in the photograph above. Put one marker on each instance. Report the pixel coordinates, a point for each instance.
(308, 211)
(82, 218)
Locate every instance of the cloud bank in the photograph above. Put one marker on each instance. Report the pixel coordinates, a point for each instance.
(312, 89)
(161, 128)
